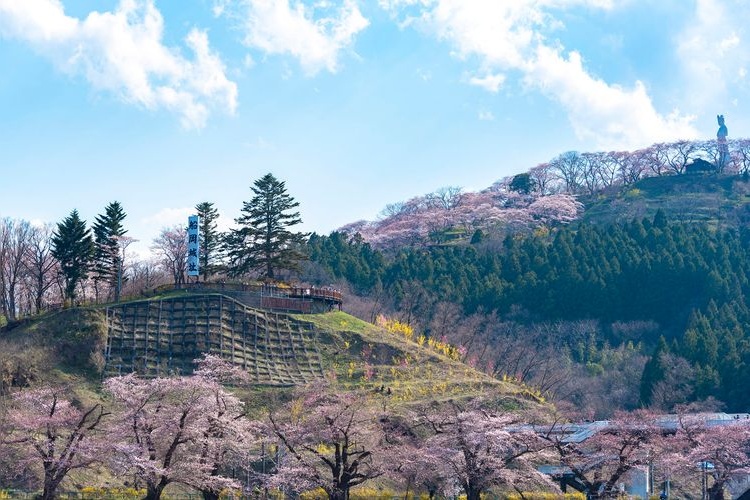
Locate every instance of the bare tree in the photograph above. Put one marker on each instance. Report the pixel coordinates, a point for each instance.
(144, 275)
(15, 236)
(446, 197)
(568, 167)
(171, 248)
(591, 164)
(632, 166)
(656, 158)
(679, 154)
(41, 266)
(543, 179)
(741, 151)
(609, 166)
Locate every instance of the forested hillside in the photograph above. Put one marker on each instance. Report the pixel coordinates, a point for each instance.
(689, 179)
(602, 287)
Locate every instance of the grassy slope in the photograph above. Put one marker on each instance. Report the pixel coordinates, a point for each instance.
(66, 348)
(60, 348)
(366, 356)
(688, 198)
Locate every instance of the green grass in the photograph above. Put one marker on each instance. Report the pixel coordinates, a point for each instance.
(717, 200)
(62, 348)
(365, 356)
(67, 347)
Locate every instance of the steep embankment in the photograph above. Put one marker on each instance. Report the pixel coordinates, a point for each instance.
(65, 347)
(164, 336)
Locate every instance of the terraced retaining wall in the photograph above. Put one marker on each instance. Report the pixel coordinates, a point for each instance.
(161, 337)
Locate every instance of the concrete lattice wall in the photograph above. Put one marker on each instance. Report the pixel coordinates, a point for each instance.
(162, 337)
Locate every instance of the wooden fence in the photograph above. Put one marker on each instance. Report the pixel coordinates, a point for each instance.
(291, 299)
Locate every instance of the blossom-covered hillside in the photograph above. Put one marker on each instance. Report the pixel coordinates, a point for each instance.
(450, 213)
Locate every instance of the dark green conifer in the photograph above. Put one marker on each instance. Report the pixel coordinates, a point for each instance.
(209, 237)
(108, 230)
(73, 248)
(264, 241)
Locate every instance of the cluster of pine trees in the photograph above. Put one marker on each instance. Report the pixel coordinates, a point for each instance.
(690, 279)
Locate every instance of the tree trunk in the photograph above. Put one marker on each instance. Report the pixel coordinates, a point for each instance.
(210, 495)
(50, 488)
(473, 493)
(153, 492)
(338, 494)
(716, 491)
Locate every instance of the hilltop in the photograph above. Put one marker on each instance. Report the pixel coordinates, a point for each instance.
(713, 199)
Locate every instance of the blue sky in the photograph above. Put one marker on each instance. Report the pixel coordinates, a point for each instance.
(355, 104)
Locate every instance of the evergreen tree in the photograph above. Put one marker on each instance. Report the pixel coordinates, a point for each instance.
(264, 242)
(522, 183)
(73, 248)
(108, 230)
(209, 237)
(653, 372)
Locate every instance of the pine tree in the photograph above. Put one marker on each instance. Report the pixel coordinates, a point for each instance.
(73, 248)
(209, 237)
(264, 242)
(653, 371)
(108, 230)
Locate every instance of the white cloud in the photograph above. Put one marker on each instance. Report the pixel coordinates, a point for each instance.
(122, 52)
(608, 115)
(315, 34)
(711, 50)
(168, 217)
(509, 37)
(490, 83)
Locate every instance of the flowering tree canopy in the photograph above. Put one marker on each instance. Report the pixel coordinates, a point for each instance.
(478, 448)
(722, 450)
(599, 462)
(50, 433)
(175, 430)
(334, 442)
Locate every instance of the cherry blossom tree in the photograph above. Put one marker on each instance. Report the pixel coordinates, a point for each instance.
(632, 166)
(741, 155)
(423, 471)
(333, 441)
(725, 447)
(175, 430)
(628, 441)
(656, 158)
(556, 208)
(478, 448)
(228, 433)
(49, 433)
